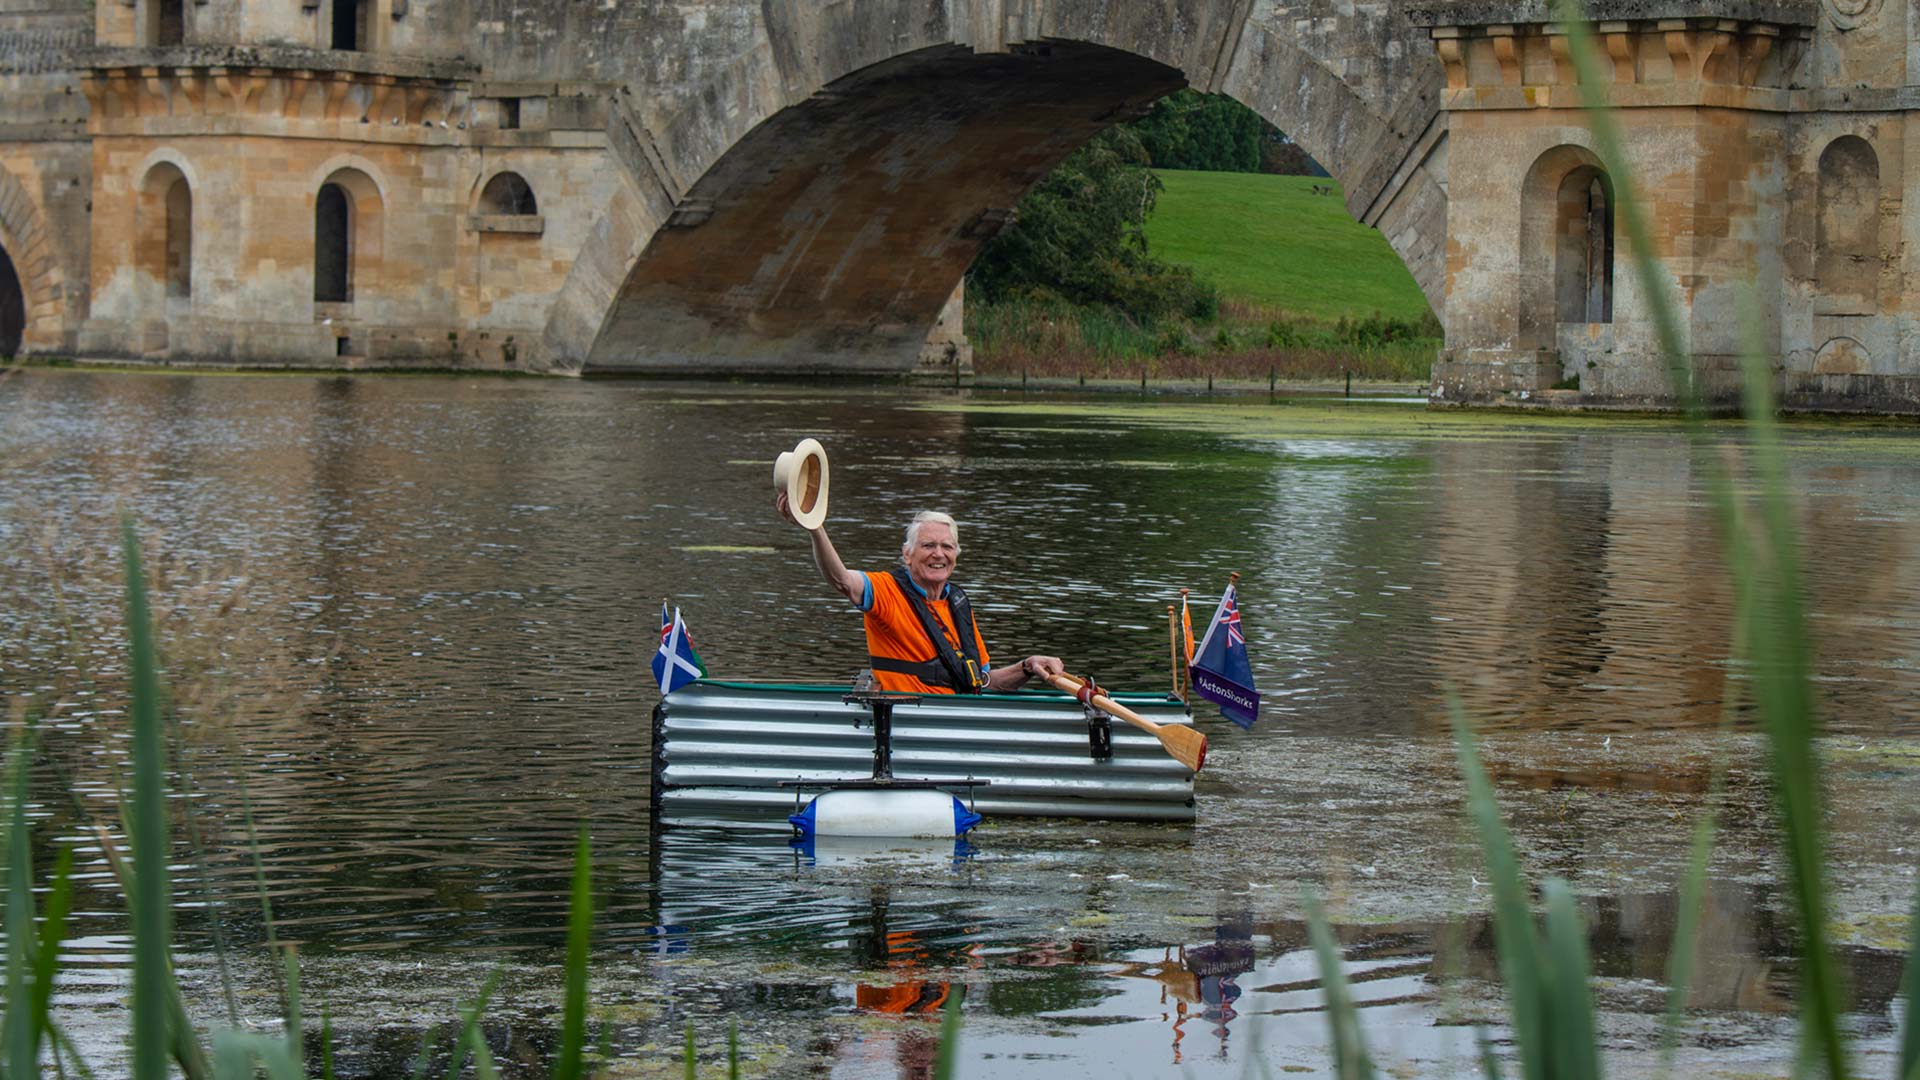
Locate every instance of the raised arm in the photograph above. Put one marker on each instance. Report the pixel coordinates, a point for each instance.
(848, 583)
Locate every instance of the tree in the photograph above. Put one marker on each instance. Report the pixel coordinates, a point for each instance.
(1079, 236)
(1190, 130)
(1212, 132)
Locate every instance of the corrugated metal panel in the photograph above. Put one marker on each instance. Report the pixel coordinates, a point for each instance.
(723, 747)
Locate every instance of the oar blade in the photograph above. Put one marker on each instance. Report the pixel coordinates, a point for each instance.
(1186, 745)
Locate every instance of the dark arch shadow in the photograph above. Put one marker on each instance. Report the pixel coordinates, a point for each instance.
(13, 308)
(829, 237)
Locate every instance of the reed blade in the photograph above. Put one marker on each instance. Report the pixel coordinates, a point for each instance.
(428, 1042)
(1350, 1058)
(1782, 658)
(470, 1040)
(1489, 1063)
(1910, 989)
(1686, 928)
(65, 1050)
(296, 1028)
(1515, 938)
(946, 1053)
(244, 1055)
(326, 1042)
(22, 1027)
(183, 1039)
(152, 912)
(573, 1023)
(1576, 1046)
(483, 1066)
(53, 933)
(1765, 572)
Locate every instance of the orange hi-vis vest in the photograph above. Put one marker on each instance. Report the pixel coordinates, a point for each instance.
(897, 638)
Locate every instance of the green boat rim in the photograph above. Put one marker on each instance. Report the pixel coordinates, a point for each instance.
(1016, 695)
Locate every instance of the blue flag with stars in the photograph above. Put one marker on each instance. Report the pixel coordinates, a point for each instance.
(1221, 672)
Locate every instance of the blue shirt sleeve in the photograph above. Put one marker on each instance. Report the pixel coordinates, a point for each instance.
(866, 598)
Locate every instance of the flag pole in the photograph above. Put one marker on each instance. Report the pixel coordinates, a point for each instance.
(1173, 652)
(1186, 631)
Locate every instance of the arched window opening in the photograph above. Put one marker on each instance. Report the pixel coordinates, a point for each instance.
(1583, 248)
(1847, 258)
(169, 22)
(178, 264)
(348, 210)
(348, 30)
(13, 309)
(163, 234)
(1564, 277)
(508, 193)
(333, 246)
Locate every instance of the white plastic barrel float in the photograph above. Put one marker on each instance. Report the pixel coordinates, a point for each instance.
(920, 812)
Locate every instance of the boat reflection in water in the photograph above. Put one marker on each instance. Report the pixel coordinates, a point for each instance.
(901, 929)
(1201, 981)
(871, 852)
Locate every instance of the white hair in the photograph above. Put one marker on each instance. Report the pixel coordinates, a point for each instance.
(934, 517)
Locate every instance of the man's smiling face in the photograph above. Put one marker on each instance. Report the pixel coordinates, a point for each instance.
(931, 556)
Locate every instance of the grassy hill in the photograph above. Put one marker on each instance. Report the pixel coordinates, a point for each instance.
(1308, 293)
(1270, 241)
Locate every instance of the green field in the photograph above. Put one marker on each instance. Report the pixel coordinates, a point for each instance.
(1270, 241)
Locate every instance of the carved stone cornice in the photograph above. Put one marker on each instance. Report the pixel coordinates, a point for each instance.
(1803, 13)
(288, 57)
(1695, 60)
(267, 100)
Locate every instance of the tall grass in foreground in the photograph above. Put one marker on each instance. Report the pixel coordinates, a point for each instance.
(1546, 975)
(162, 1035)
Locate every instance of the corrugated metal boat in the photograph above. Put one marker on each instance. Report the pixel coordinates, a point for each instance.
(723, 750)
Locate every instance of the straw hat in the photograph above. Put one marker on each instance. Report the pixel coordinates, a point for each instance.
(802, 474)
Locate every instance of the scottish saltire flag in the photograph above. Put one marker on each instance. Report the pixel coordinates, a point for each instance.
(677, 663)
(1221, 672)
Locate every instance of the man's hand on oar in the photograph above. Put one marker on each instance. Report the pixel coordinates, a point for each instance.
(1182, 743)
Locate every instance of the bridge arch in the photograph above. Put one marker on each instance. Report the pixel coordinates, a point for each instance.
(816, 204)
(13, 308)
(38, 324)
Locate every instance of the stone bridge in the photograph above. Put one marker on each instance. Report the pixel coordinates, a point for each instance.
(718, 185)
(816, 187)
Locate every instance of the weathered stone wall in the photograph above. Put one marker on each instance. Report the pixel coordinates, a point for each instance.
(44, 165)
(1768, 158)
(393, 27)
(438, 278)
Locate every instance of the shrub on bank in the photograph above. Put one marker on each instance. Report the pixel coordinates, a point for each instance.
(1049, 337)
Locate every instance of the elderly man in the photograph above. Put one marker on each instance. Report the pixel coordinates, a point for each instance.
(915, 615)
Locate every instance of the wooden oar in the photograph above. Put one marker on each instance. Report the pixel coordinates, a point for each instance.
(1182, 743)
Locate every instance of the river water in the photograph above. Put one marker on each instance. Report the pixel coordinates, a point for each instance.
(407, 624)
